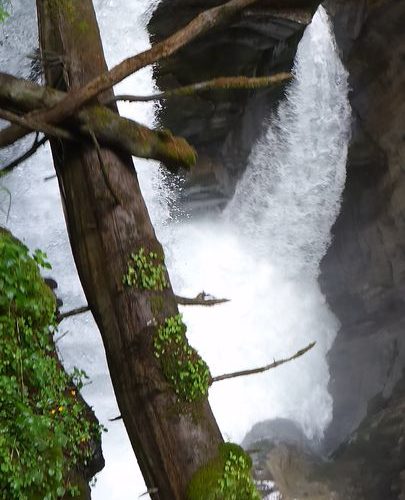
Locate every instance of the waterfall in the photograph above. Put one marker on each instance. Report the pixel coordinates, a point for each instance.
(263, 253)
(290, 194)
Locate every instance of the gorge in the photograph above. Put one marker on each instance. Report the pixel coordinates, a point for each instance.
(253, 250)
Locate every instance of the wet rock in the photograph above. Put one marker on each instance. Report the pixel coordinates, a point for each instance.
(223, 125)
(363, 273)
(294, 471)
(277, 431)
(370, 465)
(53, 286)
(271, 438)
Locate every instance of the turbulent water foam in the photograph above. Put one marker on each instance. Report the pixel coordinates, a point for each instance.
(263, 253)
(290, 194)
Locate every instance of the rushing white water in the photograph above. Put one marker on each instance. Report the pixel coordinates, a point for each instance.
(263, 253)
(290, 194)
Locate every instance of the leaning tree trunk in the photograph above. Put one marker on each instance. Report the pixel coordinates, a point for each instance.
(107, 220)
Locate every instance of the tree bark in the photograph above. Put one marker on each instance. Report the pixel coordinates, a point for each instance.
(171, 440)
(107, 125)
(102, 82)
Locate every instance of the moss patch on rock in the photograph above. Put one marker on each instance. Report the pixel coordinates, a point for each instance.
(182, 366)
(226, 477)
(45, 433)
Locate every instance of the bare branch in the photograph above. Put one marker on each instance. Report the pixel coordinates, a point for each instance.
(61, 337)
(221, 83)
(76, 99)
(33, 149)
(50, 177)
(29, 123)
(73, 312)
(253, 371)
(7, 191)
(115, 418)
(199, 300)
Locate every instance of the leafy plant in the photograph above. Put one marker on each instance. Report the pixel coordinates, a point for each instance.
(44, 430)
(181, 364)
(146, 271)
(4, 6)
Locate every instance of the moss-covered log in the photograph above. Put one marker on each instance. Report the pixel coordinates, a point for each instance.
(108, 127)
(172, 439)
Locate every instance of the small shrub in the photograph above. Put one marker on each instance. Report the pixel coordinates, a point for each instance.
(44, 431)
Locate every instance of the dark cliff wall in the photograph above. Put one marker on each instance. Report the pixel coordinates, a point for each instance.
(363, 273)
(369, 467)
(223, 125)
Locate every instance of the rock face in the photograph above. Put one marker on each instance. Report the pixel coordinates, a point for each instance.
(363, 273)
(370, 466)
(223, 125)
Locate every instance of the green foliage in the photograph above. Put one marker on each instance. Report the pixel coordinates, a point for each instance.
(145, 271)
(4, 6)
(181, 364)
(44, 432)
(226, 477)
(23, 292)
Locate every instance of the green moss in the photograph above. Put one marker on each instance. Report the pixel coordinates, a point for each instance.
(145, 271)
(226, 477)
(44, 429)
(101, 115)
(5, 6)
(182, 366)
(177, 150)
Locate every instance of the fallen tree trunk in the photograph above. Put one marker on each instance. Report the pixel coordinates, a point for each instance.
(107, 125)
(171, 435)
